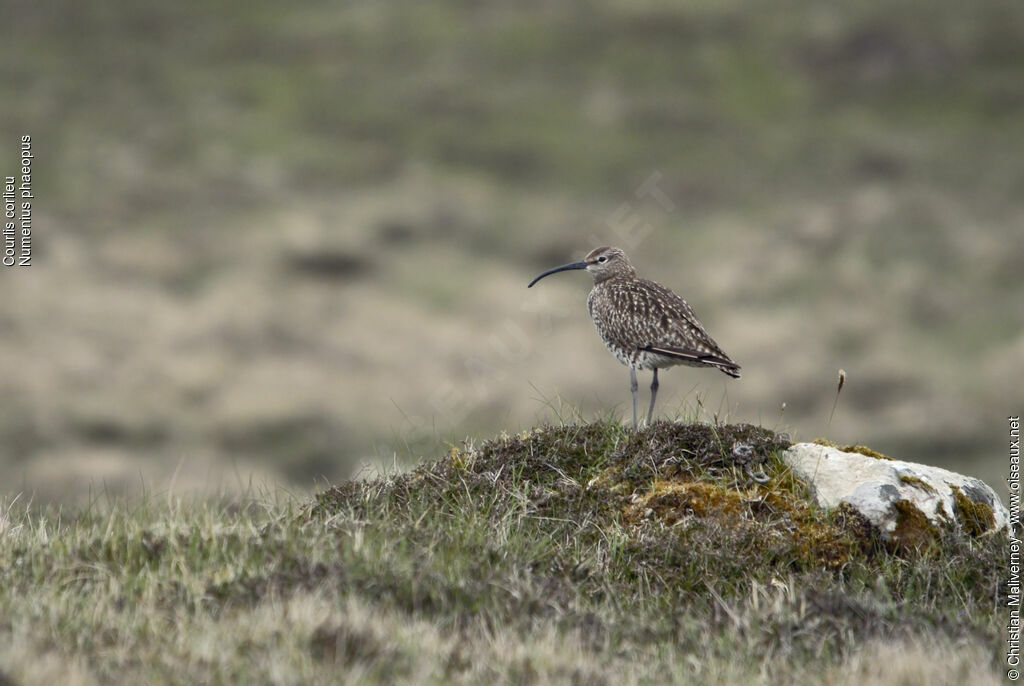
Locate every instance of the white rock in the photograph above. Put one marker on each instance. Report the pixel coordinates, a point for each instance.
(871, 485)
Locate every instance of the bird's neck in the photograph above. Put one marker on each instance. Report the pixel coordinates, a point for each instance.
(625, 275)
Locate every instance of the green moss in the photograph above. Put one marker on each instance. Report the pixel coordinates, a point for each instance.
(864, 450)
(914, 531)
(917, 482)
(859, 449)
(976, 518)
(940, 511)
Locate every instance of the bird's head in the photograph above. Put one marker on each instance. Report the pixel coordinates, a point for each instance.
(602, 263)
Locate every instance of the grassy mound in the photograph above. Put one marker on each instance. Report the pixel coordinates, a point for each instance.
(576, 554)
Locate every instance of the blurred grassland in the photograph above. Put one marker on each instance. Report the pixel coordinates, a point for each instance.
(278, 242)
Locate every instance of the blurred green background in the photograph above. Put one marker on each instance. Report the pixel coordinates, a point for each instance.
(281, 242)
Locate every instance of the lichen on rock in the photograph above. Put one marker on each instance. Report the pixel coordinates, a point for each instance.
(909, 503)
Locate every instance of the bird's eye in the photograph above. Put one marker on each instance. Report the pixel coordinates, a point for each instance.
(602, 258)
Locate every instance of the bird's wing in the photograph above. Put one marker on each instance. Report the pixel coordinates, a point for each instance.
(696, 357)
(661, 322)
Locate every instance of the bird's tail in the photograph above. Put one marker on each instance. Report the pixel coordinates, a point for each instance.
(732, 370)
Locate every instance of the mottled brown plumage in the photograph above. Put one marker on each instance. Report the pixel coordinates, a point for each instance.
(645, 325)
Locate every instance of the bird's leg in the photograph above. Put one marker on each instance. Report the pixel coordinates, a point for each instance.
(654, 394)
(633, 387)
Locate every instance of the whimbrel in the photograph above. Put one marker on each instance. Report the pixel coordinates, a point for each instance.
(642, 323)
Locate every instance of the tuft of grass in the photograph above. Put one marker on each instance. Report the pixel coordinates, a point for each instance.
(572, 554)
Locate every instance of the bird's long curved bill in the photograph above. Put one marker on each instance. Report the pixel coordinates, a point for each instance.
(563, 268)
